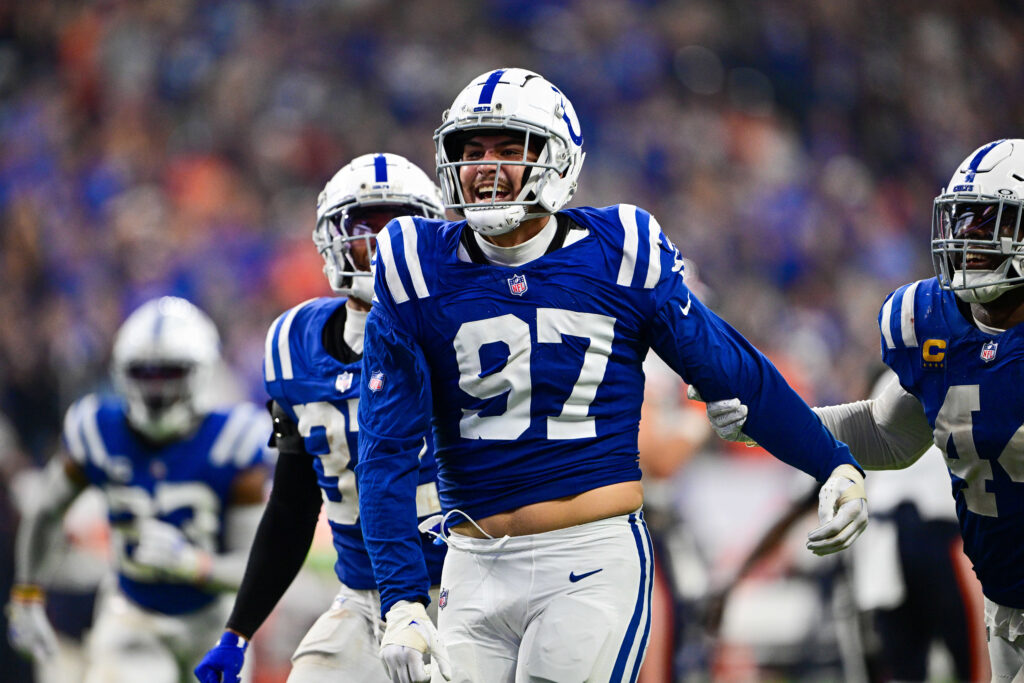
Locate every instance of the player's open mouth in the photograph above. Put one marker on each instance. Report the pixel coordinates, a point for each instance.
(486, 193)
(981, 262)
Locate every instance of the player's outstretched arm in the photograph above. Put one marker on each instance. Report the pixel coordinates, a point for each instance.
(39, 532)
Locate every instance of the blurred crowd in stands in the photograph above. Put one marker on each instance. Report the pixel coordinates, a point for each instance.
(790, 148)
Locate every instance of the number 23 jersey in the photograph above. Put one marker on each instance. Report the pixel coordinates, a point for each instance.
(969, 383)
(186, 483)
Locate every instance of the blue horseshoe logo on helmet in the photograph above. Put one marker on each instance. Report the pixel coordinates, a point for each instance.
(573, 135)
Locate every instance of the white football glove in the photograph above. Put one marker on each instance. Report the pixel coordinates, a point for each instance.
(409, 638)
(842, 511)
(727, 417)
(28, 629)
(163, 548)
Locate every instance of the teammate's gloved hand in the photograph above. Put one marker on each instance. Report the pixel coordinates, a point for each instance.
(842, 511)
(28, 629)
(223, 662)
(726, 417)
(165, 550)
(409, 638)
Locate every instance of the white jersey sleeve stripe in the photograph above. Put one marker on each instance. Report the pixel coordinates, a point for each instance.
(653, 259)
(284, 348)
(269, 373)
(255, 436)
(386, 257)
(907, 316)
(885, 323)
(627, 216)
(73, 433)
(95, 448)
(412, 256)
(234, 427)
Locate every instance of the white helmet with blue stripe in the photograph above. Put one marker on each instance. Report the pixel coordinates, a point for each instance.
(387, 185)
(525, 103)
(977, 240)
(164, 355)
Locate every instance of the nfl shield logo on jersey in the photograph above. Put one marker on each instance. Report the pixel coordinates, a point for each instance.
(376, 382)
(517, 285)
(988, 351)
(442, 600)
(344, 382)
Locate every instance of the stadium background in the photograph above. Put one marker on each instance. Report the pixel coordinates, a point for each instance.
(790, 148)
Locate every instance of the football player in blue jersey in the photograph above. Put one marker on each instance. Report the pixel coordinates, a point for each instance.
(956, 345)
(312, 370)
(518, 334)
(183, 482)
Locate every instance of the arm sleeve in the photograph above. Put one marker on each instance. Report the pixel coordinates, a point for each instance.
(40, 530)
(888, 432)
(394, 409)
(716, 359)
(284, 534)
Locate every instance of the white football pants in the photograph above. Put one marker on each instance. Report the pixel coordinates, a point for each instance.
(129, 644)
(565, 606)
(1005, 626)
(344, 642)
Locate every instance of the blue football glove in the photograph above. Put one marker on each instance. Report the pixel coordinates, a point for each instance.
(223, 662)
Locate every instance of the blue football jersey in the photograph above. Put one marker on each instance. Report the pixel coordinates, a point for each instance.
(321, 394)
(969, 384)
(185, 483)
(532, 376)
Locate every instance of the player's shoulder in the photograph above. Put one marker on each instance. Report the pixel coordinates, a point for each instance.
(409, 249)
(87, 425)
(637, 251)
(916, 311)
(294, 335)
(238, 434)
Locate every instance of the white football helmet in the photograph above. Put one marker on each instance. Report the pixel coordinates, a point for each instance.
(523, 102)
(972, 256)
(381, 183)
(163, 355)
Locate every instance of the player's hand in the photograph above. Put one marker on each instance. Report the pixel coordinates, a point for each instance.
(163, 548)
(842, 511)
(223, 662)
(409, 639)
(727, 417)
(28, 629)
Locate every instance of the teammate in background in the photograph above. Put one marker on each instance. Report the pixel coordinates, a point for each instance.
(956, 345)
(911, 582)
(520, 333)
(183, 484)
(312, 370)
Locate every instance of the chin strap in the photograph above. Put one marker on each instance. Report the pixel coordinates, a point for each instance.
(493, 221)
